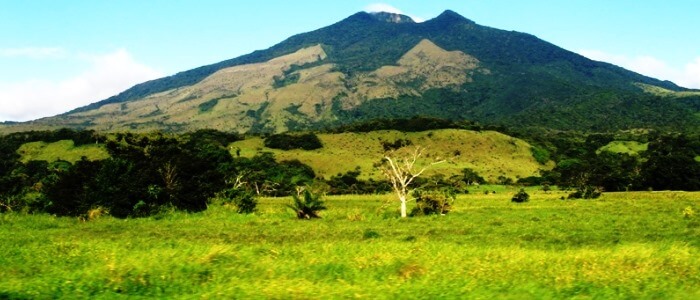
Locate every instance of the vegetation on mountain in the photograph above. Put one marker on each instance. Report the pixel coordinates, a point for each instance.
(283, 141)
(371, 66)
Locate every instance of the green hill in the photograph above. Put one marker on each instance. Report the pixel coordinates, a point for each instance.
(60, 150)
(627, 147)
(370, 66)
(490, 154)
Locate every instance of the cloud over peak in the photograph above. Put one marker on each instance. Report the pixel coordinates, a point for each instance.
(383, 7)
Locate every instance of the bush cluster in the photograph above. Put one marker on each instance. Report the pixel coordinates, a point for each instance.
(430, 202)
(521, 197)
(284, 141)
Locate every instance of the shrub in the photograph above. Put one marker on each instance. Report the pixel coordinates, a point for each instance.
(546, 187)
(370, 234)
(520, 197)
(433, 202)
(244, 200)
(96, 213)
(283, 141)
(531, 181)
(503, 180)
(470, 177)
(586, 192)
(308, 206)
(397, 144)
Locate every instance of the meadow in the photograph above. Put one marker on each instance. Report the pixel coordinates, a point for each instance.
(489, 153)
(623, 245)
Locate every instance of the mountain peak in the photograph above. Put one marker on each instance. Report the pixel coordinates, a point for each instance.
(451, 16)
(349, 71)
(391, 17)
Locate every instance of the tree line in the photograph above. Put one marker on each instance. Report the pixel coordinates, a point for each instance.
(671, 162)
(148, 173)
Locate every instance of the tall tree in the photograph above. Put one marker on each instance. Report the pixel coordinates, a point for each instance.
(402, 171)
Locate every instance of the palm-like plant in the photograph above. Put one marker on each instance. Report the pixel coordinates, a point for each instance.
(308, 206)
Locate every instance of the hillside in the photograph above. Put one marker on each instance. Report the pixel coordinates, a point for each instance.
(383, 65)
(490, 154)
(60, 150)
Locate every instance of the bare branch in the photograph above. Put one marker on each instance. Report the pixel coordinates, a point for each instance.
(401, 172)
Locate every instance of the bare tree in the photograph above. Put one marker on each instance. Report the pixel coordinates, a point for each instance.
(401, 171)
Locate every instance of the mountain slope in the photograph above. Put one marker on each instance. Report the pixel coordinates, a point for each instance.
(385, 65)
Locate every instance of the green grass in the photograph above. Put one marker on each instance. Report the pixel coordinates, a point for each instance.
(489, 153)
(623, 245)
(64, 150)
(659, 91)
(627, 147)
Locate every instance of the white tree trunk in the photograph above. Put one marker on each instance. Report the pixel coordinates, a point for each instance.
(403, 205)
(401, 172)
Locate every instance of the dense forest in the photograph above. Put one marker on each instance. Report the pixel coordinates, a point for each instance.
(147, 173)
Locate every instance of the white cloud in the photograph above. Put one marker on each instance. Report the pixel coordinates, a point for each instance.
(33, 52)
(383, 7)
(107, 75)
(686, 76)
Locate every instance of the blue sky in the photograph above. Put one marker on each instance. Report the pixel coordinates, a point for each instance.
(59, 55)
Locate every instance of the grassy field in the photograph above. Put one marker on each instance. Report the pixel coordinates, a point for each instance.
(623, 245)
(490, 154)
(65, 150)
(627, 147)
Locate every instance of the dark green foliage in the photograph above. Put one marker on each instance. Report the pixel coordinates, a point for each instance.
(429, 202)
(348, 183)
(504, 180)
(520, 197)
(293, 109)
(531, 181)
(142, 176)
(611, 171)
(283, 141)
(414, 124)
(244, 200)
(221, 138)
(586, 192)
(470, 177)
(541, 155)
(370, 234)
(208, 106)
(671, 163)
(308, 206)
(439, 182)
(264, 175)
(397, 144)
(546, 187)
(18, 179)
(616, 172)
(282, 81)
(74, 192)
